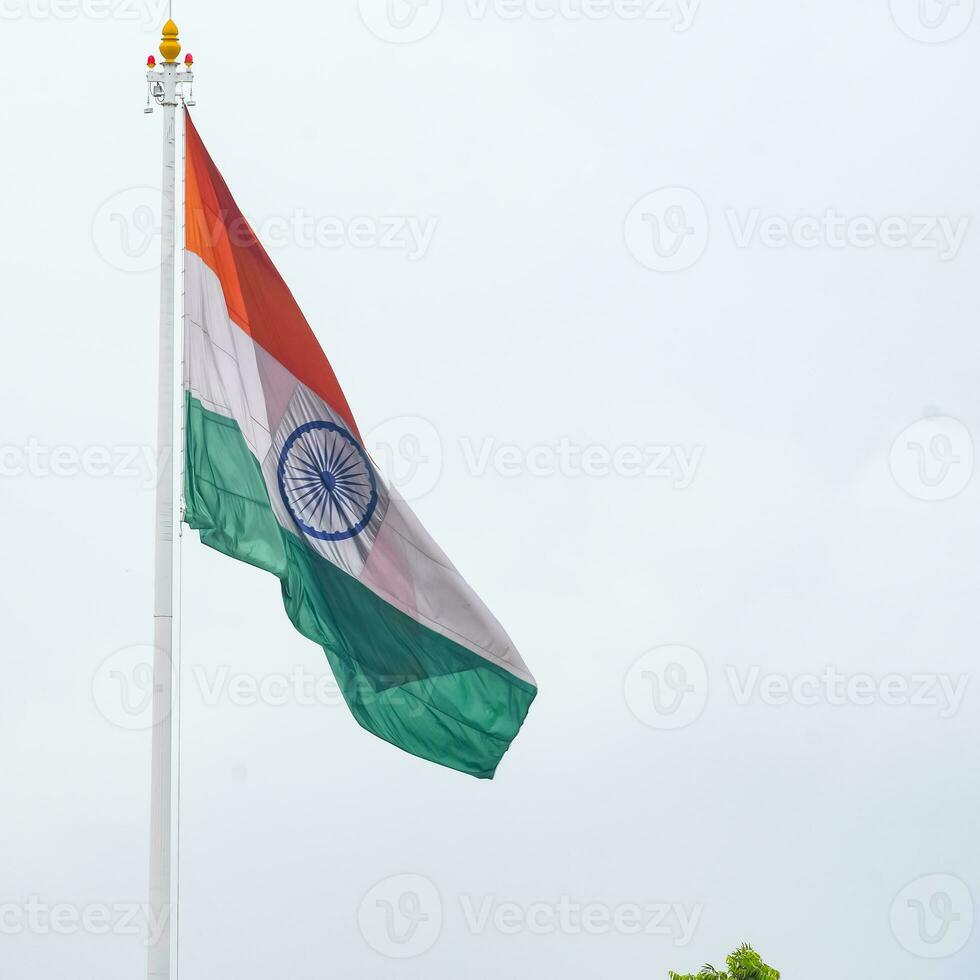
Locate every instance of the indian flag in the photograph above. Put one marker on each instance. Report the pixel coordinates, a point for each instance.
(277, 475)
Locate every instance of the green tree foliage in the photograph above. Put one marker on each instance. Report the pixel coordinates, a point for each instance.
(744, 964)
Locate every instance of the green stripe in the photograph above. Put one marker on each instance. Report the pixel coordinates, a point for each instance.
(405, 683)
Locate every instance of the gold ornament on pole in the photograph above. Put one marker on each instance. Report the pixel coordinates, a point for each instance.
(170, 45)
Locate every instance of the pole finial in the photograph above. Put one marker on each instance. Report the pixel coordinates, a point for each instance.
(170, 45)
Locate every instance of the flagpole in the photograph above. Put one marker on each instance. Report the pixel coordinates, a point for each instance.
(165, 89)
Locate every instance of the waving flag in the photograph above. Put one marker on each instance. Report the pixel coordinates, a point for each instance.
(277, 476)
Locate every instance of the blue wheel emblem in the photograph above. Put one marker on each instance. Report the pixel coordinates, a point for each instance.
(327, 482)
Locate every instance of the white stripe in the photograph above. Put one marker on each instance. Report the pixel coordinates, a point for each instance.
(220, 364)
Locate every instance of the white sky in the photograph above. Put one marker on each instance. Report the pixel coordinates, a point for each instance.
(782, 373)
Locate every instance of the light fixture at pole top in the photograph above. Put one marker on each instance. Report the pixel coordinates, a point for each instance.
(167, 82)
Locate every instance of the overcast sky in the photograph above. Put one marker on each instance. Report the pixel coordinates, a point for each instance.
(664, 317)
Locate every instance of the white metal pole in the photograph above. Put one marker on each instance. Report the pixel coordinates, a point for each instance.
(162, 954)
